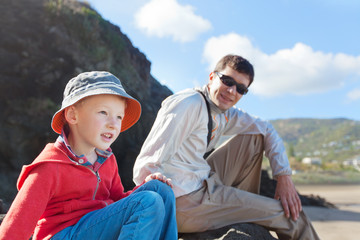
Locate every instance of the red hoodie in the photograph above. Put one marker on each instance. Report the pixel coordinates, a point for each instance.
(55, 192)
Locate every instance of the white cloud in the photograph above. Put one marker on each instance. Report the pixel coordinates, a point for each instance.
(354, 95)
(164, 18)
(299, 70)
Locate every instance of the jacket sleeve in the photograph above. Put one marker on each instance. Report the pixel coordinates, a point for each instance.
(117, 188)
(241, 122)
(29, 204)
(175, 121)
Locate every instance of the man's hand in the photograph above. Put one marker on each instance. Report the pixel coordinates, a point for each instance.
(160, 177)
(286, 193)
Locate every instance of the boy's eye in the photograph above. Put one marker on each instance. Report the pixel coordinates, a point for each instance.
(120, 117)
(103, 112)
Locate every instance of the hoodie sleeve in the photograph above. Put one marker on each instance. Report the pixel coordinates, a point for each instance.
(29, 203)
(117, 188)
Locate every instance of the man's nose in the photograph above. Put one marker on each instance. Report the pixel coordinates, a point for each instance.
(232, 89)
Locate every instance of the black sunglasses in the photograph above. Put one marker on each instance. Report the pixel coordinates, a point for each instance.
(229, 81)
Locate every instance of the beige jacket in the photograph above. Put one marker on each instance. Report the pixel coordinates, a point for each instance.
(178, 140)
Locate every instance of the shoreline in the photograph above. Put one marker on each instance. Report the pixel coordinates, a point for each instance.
(342, 222)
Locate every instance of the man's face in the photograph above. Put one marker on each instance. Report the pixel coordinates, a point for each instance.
(223, 96)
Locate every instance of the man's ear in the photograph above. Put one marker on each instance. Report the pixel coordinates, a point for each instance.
(211, 77)
(70, 114)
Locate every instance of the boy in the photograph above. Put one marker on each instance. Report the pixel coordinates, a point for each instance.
(73, 190)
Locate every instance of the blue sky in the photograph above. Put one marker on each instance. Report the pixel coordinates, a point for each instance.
(306, 53)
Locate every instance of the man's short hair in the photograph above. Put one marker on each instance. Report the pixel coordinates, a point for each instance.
(237, 63)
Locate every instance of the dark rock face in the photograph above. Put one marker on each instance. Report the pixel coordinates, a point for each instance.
(241, 231)
(43, 44)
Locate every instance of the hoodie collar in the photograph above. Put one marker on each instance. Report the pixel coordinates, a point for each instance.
(63, 143)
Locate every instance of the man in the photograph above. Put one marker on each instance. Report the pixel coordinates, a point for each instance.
(223, 188)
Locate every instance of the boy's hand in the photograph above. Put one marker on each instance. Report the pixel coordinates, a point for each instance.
(159, 177)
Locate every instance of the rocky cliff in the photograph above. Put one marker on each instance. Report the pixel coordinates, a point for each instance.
(43, 44)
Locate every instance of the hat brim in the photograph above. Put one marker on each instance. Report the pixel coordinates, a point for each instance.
(132, 113)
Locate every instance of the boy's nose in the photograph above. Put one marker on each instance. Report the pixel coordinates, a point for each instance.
(114, 123)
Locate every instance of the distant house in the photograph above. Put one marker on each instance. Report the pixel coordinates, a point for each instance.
(353, 162)
(311, 161)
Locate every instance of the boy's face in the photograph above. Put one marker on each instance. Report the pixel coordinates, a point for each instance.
(223, 96)
(97, 122)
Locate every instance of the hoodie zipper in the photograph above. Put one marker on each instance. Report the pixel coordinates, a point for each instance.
(97, 183)
(96, 173)
(98, 180)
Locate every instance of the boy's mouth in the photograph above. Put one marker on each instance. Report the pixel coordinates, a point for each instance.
(107, 135)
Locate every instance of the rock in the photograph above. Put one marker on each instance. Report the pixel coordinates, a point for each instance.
(2, 216)
(268, 186)
(240, 231)
(1, 206)
(1, 211)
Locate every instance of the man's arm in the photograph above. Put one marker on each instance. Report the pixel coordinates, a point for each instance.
(285, 190)
(174, 123)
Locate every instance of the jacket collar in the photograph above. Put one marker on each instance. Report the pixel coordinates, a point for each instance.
(62, 143)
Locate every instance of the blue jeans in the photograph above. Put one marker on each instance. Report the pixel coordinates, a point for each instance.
(148, 213)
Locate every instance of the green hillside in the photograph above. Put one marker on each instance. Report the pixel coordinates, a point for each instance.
(331, 140)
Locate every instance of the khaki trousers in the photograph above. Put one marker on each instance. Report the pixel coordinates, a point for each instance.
(230, 195)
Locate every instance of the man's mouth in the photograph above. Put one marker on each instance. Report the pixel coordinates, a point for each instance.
(226, 98)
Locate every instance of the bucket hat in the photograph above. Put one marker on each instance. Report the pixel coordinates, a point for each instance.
(94, 83)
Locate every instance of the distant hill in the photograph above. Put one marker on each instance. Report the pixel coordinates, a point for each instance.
(329, 139)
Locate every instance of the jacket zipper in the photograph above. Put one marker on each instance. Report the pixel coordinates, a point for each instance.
(97, 182)
(96, 173)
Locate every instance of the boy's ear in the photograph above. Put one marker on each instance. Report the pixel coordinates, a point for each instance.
(70, 115)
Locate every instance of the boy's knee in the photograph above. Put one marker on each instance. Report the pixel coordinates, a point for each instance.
(160, 187)
(155, 184)
(151, 200)
(152, 203)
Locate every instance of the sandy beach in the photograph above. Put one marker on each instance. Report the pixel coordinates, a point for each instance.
(333, 224)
